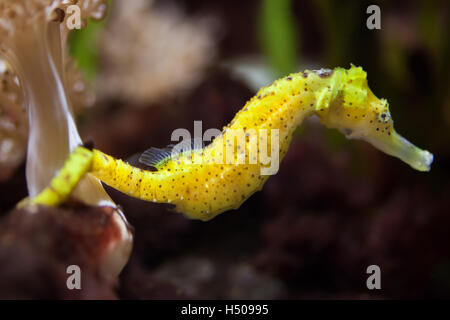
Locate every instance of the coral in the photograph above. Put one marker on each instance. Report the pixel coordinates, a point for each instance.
(15, 18)
(13, 118)
(13, 123)
(149, 53)
(33, 37)
(37, 247)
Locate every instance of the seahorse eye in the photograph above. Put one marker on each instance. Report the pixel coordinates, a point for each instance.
(384, 117)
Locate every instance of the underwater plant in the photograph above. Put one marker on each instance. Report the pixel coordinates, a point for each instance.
(33, 36)
(201, 190)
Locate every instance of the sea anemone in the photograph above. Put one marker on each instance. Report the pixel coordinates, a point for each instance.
(33, 37)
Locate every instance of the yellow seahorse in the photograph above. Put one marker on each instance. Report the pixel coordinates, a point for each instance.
(202, 189)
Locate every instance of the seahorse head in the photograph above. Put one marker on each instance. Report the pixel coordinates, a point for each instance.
(359, 114)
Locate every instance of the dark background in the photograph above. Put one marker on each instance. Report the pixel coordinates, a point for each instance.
(336, 206)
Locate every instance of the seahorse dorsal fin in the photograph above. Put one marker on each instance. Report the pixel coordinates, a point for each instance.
(154, 157)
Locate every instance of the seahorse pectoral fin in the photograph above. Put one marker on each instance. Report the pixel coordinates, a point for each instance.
(397, 146)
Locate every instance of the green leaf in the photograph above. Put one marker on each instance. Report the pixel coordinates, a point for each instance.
(84, 47)
(278, 35)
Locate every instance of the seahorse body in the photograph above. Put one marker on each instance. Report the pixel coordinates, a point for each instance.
(341, 99)
(202, 189)
(62, 185)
